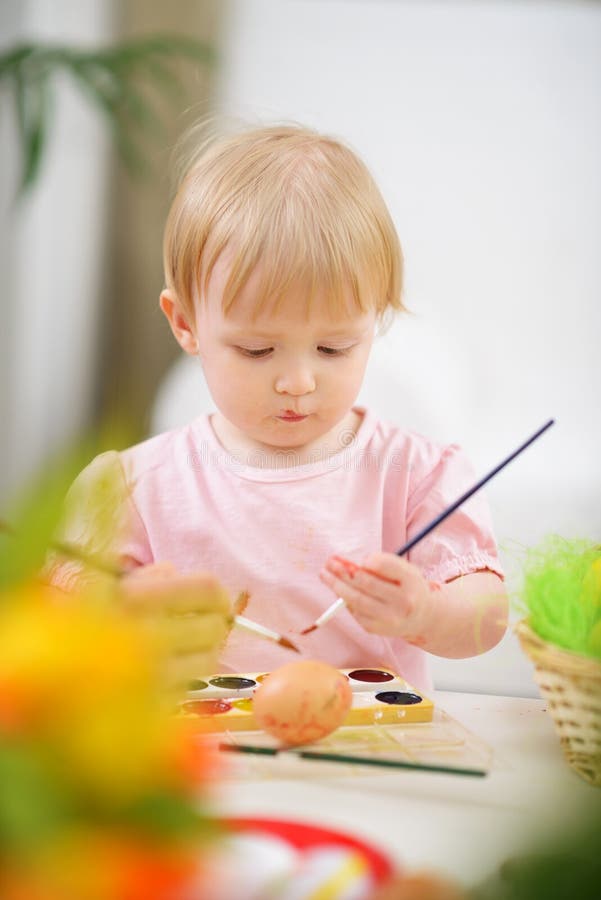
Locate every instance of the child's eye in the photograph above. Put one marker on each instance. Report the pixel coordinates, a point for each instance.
(255, 354)
(333, 351)
(260, 354)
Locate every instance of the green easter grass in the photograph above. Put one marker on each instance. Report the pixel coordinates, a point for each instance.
(561, 594)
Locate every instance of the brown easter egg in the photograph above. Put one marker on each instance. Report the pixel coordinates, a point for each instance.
(302, 701)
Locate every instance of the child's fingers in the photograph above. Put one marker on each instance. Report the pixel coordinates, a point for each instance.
(370, 583)
(368, 611)
(193, 633)
(153, 570)
(390, 566)
(183, 594)
(357, 601)
(370, 623)
(185, 668)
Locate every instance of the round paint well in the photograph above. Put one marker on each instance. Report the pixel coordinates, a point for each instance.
(206, 707)
(245, 704)
(197, 685)
(232, 682)
(370, 675)
(398, 698)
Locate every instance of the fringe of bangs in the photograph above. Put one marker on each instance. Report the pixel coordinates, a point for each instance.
(287, 262)
(285, 248)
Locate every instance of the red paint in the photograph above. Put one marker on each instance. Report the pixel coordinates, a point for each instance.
(305, 837)
(370, 675)
(381, 577)
(206, 707)
(347, 565)
(418, 640)
(351, 567)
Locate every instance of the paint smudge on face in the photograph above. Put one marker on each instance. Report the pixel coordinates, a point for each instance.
(197, 685)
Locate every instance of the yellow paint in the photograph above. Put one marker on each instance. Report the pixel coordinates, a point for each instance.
(245, 704)
(353, 868)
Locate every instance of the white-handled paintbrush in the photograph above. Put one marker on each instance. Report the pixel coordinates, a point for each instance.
(262, 631)
(72, 551)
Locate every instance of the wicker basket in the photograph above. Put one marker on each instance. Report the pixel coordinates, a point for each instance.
(571, 685)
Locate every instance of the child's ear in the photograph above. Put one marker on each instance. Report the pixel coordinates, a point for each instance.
(178, 321)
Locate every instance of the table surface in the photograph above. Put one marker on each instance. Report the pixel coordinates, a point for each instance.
(462, 827)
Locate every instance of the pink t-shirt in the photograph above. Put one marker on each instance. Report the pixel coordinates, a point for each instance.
(270, 531)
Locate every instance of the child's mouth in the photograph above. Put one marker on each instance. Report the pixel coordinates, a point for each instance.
(290, 417)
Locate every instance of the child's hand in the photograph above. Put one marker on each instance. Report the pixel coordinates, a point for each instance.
(386, 594)
(193, 612)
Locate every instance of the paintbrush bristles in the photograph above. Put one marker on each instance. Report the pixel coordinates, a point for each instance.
(262, 631)
(284, 642)
(325, 616)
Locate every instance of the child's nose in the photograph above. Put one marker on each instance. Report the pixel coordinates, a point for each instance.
(297, 381)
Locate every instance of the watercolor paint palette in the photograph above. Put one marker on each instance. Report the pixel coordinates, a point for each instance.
(224, 702)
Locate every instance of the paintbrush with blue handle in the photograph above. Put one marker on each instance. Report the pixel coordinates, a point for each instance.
(339, 603)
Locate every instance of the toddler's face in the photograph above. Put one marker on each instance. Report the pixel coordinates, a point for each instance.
(260, 373)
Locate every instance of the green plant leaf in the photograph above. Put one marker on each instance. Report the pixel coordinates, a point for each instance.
(170, 815)
(31, 521)
(142, 50)
(33, 101)
(115, 94)
(13, 59)
(33, 803)
(122, 81)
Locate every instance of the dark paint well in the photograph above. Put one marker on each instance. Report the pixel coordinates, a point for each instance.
(398, 698)
(232, 682)
(370, 675)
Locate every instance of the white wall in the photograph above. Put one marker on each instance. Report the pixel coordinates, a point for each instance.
(53, 253)
(482, 124)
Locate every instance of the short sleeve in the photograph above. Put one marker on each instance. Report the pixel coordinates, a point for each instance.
(100, 523)
(464, 542)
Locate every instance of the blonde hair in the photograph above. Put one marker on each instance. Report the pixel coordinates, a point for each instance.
(300, 204)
